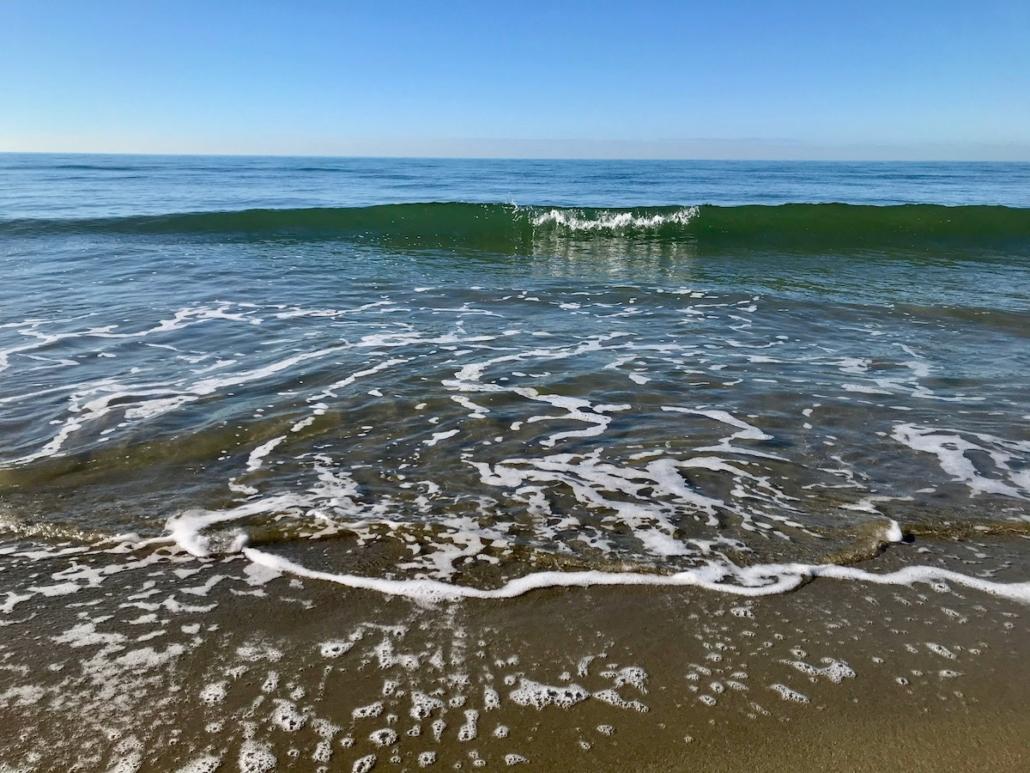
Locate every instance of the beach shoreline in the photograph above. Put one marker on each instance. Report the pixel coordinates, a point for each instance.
(834, 673)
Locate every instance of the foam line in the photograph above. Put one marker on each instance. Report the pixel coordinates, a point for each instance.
(257, 456)
(759, 580)
(602, 220)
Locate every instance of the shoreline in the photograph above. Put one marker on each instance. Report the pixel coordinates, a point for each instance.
(203, 658)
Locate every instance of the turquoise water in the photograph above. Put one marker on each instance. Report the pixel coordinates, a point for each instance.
(478, 366)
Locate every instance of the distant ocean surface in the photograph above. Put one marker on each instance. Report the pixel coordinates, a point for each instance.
(447, 374)
(80, 186)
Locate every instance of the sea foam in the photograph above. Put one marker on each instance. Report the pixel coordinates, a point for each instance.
(757, 580)
(606, 220)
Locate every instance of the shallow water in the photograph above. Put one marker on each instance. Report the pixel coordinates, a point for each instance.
(467, 392)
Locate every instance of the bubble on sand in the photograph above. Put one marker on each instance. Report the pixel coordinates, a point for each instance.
(612, 698)
(323, 751)
(384, 737)
(788, 694)
(425, 759)
(334, 648)
(834, 670)
(468, 731)
(214, 693)
(631, 675)
(423, 705)
(940, 649)
(438, 726)
(287, 717)
(491, 700)
(129, 756)
(530, 693)
(368, 712)
(206, 764)
(256, 758)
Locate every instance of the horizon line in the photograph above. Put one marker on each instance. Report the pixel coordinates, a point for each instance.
(403, 157)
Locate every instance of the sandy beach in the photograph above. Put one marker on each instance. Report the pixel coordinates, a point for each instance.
(190, 671)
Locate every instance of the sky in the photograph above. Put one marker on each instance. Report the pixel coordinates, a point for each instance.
(905, 79)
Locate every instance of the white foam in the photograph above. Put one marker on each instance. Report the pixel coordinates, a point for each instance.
(271, 682)
(214, 692)
(147, 401)
(323, 751)
(788, 694)
(438, 726)
(612, 698)
(257, 456)
(438, 436)
(287, 717)
(468, 731)
(530, 693)
(335, 647)
(658, 493)
(128, 756)
(369, 711)
(747, 431)
(384, 737)
(332, 489)
(605, 220)
(423, 705)
(834, 670)
(940, 649)
(332, 389)
(756, 580)
(951, 448)
(256, 758)
(491, 700)
(634, 676)
(206, 764)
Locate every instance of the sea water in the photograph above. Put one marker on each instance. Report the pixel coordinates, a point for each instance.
(670, 366)
(456, 380)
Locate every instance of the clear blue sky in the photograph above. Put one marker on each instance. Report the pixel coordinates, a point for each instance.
(729, 79)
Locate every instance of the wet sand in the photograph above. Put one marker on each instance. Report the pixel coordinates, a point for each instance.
(153, 663)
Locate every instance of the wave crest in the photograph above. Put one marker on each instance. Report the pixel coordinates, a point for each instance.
(511, 229)
(612, 220)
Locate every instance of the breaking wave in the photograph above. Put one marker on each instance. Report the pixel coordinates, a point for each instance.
(509, 228)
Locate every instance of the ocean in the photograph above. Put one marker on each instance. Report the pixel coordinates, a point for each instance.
(318, 384)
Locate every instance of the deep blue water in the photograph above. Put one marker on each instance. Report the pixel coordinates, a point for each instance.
(37, 185)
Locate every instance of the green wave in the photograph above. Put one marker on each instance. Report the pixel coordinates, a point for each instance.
(513, 229)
